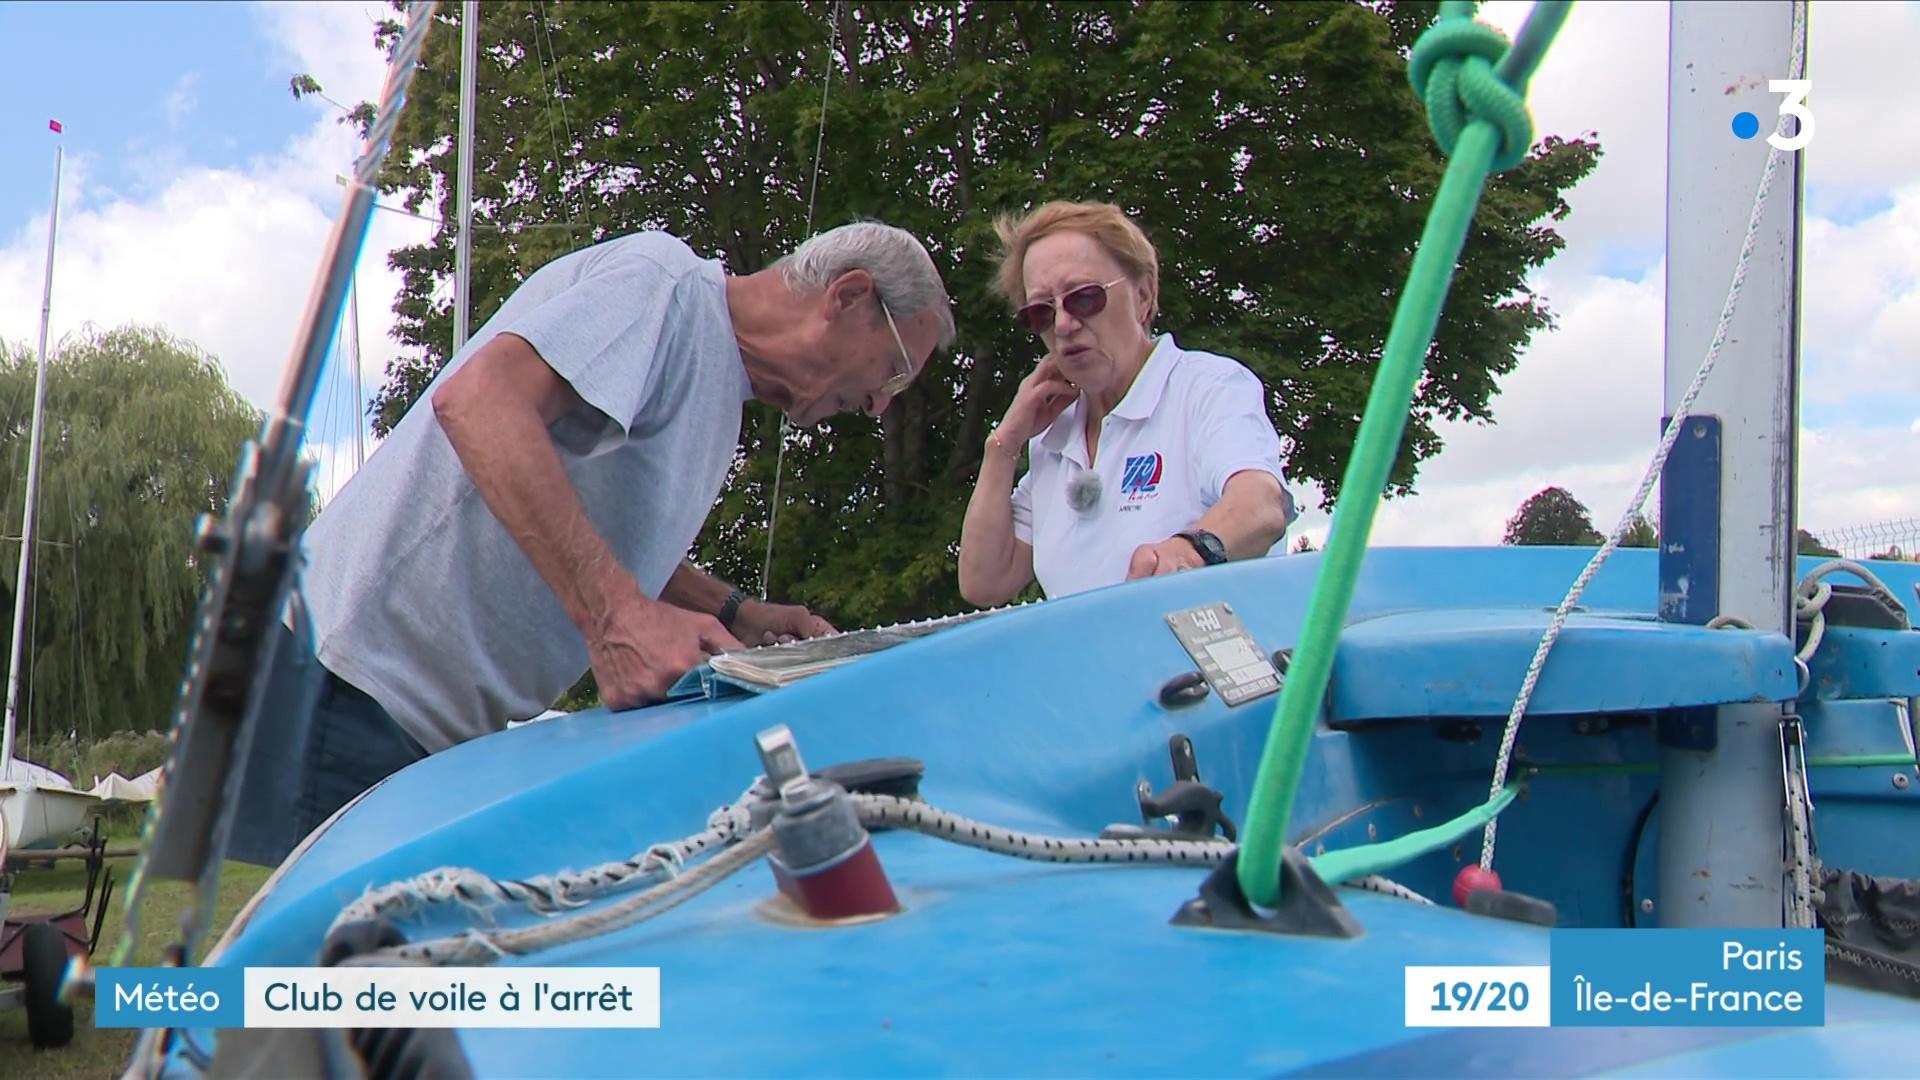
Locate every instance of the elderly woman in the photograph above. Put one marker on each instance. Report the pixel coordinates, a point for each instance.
(1144, 458)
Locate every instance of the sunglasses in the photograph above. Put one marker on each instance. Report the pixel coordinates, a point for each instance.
(1082, 303)
(901, 379)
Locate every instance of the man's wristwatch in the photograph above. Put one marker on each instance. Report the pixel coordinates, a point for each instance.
(1212, 551)
(731, 609)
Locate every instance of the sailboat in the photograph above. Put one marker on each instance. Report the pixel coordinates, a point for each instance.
(41, 806)
(1075, 854)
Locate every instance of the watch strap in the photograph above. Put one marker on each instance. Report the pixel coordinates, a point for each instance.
(731, 609)
(1212, 551)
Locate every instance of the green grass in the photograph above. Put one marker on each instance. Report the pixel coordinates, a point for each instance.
(94, 1053)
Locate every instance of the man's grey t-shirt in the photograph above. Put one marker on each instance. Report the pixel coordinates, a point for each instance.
(419, 596)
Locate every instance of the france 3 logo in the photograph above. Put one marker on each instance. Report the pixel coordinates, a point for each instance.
(1746, 125)
(1140, 477)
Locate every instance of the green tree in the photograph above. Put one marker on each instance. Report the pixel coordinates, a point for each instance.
(1809, 544)
(1273, 150)
(1552, 516)
(1640, 533)
(141, 435)
(1303, 545)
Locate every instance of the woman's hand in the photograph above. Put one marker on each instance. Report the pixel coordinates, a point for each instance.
(1043, 395)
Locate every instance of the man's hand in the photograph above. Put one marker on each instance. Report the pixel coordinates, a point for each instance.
(644, 646)
(1166, 557)
(760, 623)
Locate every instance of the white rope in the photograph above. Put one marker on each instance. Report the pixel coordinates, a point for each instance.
(748, 844)
(893, 812)
(549, 893)
(786, 426)
(1667, 440)
(1387, 887)
(477, 948)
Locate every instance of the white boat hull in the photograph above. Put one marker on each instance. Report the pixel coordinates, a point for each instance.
(40, 817)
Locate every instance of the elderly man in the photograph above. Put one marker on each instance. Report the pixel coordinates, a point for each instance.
(529, 519)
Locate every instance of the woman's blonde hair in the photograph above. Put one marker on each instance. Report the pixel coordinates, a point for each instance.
(1107, 224)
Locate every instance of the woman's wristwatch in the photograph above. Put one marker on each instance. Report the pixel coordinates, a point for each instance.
(1212, 551)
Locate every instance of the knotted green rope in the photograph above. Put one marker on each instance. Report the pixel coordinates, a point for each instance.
(1474, 89)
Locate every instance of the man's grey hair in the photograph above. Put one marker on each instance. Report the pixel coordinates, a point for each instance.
(903, 272)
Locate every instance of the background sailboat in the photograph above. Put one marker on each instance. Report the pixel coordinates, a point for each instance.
(41, 807)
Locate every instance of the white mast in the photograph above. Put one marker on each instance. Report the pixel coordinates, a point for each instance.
(21, 580)
(1727, 508)
(463, 192)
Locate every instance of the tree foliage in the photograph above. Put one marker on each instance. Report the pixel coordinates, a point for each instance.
(1640, 533)
(1552, 516)
(141, 435)
(1808, 544)
(1273, 151)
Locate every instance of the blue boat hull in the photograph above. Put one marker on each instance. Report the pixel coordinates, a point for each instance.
(1045, 718)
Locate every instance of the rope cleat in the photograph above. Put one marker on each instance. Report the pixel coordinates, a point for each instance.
(1192, 808)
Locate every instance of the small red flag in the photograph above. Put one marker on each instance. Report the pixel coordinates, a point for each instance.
(53, 125)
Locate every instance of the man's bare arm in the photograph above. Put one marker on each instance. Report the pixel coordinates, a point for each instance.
(495, 411)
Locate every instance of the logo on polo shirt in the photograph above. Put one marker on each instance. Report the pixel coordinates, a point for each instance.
(1140, 477)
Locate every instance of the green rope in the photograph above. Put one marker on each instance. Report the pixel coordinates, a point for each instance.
(1480, 120)
(1347, 864)
(1354, 862)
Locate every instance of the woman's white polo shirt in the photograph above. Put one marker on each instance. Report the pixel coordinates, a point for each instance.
(1190, 421)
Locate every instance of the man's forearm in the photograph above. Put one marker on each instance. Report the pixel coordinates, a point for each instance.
(696, 590)
(508, 453)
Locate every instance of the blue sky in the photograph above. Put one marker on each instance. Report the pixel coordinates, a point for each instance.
(142, 88)
(199, 194)
(197, 189)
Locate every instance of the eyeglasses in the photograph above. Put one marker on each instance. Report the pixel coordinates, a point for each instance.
(1082, 303)
(904, 377)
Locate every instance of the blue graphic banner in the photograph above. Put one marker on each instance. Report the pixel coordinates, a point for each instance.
(1689, 978)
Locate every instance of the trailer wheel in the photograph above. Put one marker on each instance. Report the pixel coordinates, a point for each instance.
(44, 956)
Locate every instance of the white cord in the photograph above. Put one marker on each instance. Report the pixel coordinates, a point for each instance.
(786, 426)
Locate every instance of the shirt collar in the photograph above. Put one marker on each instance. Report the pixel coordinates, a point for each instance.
(1142, 398)
(1151, 384)
(1059, 436)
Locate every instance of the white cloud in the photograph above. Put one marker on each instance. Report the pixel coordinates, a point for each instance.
(1605, 74)
(183, 99)
(226, 257)
(1860, 59)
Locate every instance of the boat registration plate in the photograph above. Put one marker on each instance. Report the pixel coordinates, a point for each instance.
(1230, 660)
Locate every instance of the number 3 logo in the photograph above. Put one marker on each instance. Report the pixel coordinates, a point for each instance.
(1795, 106)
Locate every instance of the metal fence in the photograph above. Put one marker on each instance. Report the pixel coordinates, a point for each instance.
(1898, 539)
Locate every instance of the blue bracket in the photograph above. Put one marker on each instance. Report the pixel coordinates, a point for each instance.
(1690, 523)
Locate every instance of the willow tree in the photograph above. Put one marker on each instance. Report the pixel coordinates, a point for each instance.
(1272, 150)
(141, 435)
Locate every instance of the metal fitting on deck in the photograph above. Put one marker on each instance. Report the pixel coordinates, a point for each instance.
(824, 860)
